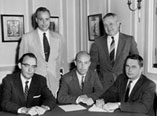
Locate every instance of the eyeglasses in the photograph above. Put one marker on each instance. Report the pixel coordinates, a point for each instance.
(28, 65)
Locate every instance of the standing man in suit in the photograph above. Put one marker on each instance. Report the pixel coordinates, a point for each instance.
(132, 91)
(80, 84)
(110, 51)
(26, 92)
(47, 46)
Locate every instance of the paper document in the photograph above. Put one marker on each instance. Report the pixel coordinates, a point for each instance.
(97, 109)
(72, 107)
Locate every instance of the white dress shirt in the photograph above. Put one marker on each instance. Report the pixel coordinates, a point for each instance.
(132, 84)
(80, 78)
(40, 33)
(23, 80)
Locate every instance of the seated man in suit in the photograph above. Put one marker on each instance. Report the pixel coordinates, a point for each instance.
(26, 92)
(80, 84)
(132, 91)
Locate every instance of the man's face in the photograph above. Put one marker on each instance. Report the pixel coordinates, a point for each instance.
(28, 67)
(82, 64)
(132, 69)
(43, 20)
(111, 25)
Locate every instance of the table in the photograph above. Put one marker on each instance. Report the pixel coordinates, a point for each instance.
(59, 112)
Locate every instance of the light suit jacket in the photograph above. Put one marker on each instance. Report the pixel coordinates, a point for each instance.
(70, 89)
(100, 56)
(31, 43)
(13, 94)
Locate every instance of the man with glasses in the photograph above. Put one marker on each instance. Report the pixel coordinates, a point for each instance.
(25, 92)
(47, 46)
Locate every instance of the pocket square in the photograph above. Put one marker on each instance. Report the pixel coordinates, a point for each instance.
(37, 96)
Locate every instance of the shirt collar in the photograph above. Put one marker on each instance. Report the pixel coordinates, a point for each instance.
(23, 79)
(80, 76)
(41, 34)
(134, 81)
(115, 36)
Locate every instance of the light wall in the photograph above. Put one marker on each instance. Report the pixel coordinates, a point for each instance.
(73, 25)
(8, 49)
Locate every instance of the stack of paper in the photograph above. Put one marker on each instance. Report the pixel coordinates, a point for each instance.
(96, 109)
(72, 107)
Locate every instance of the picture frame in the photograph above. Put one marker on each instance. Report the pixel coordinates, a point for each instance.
(54, 24)
(12, 27)
(94, 26)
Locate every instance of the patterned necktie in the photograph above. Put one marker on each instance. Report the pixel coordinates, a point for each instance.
(112, 50)
(46, 47)
(127, 91)
(82, 82)
(26, 89)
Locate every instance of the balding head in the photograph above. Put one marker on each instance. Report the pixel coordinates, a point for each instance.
(82, 62)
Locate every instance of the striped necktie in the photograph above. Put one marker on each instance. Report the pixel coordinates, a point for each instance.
(26, 89)
(112, 50)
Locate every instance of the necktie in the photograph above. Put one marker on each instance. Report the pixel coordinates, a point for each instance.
(26, 89)
(82, 82)
(112, 50)
(127, 91)
(46, 47)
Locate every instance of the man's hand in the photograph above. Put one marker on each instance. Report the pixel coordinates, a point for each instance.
(110, 107)
(100, 103)
(40, 110)
(89, 101)
(32, 111)
(23, 110)
(85, 99)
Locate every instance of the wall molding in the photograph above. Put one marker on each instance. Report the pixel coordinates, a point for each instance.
(7, 68)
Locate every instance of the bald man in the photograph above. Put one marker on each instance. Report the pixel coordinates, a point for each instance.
(80, 85)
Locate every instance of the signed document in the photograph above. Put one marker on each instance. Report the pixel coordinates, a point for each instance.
(72, 107)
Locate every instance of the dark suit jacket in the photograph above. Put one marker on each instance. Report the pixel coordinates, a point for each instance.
(141, 97)
(70, 88)
(13, 95)
(100, 56)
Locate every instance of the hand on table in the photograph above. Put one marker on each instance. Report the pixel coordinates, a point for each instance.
(110, 107)
(85, 99)
(100, 103)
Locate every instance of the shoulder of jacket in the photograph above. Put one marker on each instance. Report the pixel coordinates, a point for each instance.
(68, 76)
(11, 76)
(56, 35)
(40, 77)
(126, 35)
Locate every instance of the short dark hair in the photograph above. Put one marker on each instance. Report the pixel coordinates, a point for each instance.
(110, 15)
(135, 57)
(42, 9)
(29, 55)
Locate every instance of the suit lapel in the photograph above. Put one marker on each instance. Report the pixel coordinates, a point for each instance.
(106, 53)
(137, 86)
(19, 88)
(123, 81)
(37, 43)
(86, 81)
(32, 89)
(76, 81)
(120, 46)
